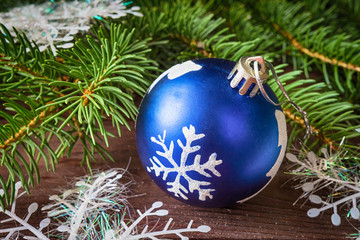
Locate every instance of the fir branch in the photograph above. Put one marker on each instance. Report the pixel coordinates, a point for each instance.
(196, 46)
(314, 43)
(21, 54)
(342, 15)
(316, 55)
(242, 22)
(189, 31)
(96, 85)
(22, 76)
(80, 88)
(331, 119)
(186, 25)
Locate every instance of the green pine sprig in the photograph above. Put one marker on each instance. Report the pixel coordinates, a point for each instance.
(314, 42)
(66, 98)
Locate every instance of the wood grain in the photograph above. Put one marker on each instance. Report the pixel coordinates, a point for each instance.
(269, 215)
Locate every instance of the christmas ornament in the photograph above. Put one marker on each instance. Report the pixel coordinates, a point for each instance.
(203, 142)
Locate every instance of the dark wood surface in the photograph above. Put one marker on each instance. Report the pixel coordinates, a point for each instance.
(269, 215)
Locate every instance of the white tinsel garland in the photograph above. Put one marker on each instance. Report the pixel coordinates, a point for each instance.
(329, 171)
(55, 24)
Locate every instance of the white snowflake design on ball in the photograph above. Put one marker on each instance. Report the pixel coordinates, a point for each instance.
(181, 170)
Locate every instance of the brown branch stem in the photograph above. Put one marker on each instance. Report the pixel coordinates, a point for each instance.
(78, 127)
(38, 119)
(24, 129)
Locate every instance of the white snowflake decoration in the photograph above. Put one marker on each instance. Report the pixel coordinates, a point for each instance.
(55, 25)
(129, 232)
(22, 223)
(181, 170)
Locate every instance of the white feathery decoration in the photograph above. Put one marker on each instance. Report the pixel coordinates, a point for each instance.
(95, 205)
(97, 209)
(55, 24)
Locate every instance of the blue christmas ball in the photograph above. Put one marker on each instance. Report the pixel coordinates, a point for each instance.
(202, 142)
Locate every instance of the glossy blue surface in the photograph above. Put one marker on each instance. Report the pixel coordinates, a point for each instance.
(242, 131)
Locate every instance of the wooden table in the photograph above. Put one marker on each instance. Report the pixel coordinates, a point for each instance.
(269, 215)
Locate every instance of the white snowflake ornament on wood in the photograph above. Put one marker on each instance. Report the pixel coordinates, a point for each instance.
(21, 224)
(182, 169)
(129, 231)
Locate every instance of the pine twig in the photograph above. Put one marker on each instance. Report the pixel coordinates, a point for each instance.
(98, 75)
(316, 55)
(195, 45)
(18, 67)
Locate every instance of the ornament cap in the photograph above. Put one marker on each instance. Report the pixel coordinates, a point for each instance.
(244, 69)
